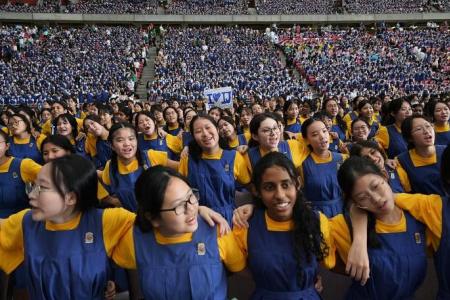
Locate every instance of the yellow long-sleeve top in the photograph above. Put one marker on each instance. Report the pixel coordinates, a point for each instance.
(348, 119)
(272, 225)
(90, 145)
(341, 238)
(155, 157)
(174, 143)
(382, 136)
(426, 209)
(28, 169)
(240, 171)
(230, 253)
(116, 223)
(299, 152)
(39, 140)
(320, 160)
(418, 161)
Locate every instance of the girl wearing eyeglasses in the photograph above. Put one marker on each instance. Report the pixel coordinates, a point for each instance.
(211, 169)
(266, 137)
(22, 144)
(64, 241)
(127, 163)
(177, 255)
(433, 211)
(422, 161)
(319, 169)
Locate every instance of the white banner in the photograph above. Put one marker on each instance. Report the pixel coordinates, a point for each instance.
(221, 97)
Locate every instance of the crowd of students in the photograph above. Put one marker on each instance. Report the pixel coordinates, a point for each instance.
(230, 7)
(106, 197)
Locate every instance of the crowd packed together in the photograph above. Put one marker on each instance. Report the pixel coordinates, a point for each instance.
(233, 7)
(209, 7)
(194, 59)
(295, 7)
(148, 7)
(391, 61)
(37, 63)
(142, 184)
(386, 6)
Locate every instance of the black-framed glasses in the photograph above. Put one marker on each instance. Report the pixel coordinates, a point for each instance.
(181, 208)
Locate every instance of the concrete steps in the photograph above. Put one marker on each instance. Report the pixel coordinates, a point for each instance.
(148, 74)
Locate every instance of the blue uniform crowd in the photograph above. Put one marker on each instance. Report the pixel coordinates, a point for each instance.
(231, 7)
(166, 198)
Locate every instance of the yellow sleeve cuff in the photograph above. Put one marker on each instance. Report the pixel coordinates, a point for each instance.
(230, 253)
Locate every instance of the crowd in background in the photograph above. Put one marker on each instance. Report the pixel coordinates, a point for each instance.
(209, 7)
(193, 59)
(390, 61)
(38, 63)
(294, 7)
(233, 7)
(386, 6)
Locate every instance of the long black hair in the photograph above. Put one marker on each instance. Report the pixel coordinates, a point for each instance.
(352, 169)
(150, 194)
(71, 120)
(308, 239)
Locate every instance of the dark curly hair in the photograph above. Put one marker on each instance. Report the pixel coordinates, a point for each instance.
(308, 238)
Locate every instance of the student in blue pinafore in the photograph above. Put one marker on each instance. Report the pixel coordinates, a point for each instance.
(127, 164)
(172, 124)
(14, 173)
(148, 137)
(434, 212)
(319, 170)
(390, 136)
(365, 112)
(266, 137)
(63, 241)
(371, 150)
(176, 254)
(423, 160)
(288, 268)
(97, 144)
(291, 114)
(22, 144)
(188, 115)
(66, 125)
(227, 130)
(440, 114)
(213, 170)
(331, 107)
(395, 238)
